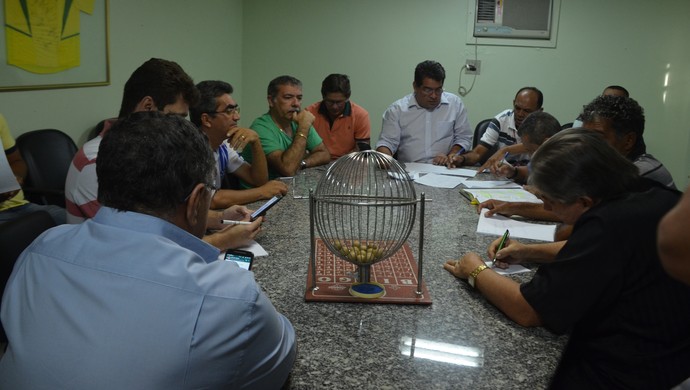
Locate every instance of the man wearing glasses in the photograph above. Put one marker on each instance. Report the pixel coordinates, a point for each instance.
(132, 298)
(343, 125)
(428, 125)
(502, 131)
(217, 115)
(156, 85)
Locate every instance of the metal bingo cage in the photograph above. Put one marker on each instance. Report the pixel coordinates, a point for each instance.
(364, 208)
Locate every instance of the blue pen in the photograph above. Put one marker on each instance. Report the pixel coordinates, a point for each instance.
(452, 160)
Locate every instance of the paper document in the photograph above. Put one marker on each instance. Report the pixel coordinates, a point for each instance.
(498, 224)
(8, 182)
(440, 169)
(512, 269)
(504, 194)
(491, 184)
(440, 181)
(400, 176)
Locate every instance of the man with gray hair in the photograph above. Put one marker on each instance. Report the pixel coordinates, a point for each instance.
(133, 298)
(627, 319)
(288, 138)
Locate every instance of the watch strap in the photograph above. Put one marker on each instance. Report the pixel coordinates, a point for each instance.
(475, 273)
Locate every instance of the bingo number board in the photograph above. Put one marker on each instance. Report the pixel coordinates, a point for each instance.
(334, 276)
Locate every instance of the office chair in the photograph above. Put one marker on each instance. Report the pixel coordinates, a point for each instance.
(566, 126)
(479, 131)
(48, 154)
(15, 236)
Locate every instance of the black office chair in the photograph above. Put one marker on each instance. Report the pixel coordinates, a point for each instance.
(479, 131)
(566, 126)
(48, 154)
(15, 236)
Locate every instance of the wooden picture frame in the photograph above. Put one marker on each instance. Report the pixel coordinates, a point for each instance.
(90, 65)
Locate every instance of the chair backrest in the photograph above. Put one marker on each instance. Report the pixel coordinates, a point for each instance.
(566, 126)
(479, 131)
(48, 154)
(15, 236)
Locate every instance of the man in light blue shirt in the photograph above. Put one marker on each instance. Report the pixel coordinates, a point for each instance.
(428, 125)
(132, 298)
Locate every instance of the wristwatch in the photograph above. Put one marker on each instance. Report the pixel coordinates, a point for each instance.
(473, 275)
(303, 164)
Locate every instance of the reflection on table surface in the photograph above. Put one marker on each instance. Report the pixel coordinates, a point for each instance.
(460, 341)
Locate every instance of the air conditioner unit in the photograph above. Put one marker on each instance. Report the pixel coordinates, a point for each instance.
(529, 19)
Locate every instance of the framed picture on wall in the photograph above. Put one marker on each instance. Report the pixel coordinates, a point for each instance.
(53, 44)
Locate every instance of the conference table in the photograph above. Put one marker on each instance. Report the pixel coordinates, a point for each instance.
(460, 341)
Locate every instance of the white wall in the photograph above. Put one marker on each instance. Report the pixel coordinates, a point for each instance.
(205, 38)
(378, 43)
(635, 43)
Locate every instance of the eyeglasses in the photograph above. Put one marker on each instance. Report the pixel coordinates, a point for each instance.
(211, 188)
(426, 91)
(334, 103)
(229, 110)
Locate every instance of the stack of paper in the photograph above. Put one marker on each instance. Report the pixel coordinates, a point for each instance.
(498, 224)
(504, 194)
(439, 169)
(491, 184)
(440, 181)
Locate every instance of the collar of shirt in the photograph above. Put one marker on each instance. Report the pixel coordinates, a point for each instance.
(413, 101)
(148, 224)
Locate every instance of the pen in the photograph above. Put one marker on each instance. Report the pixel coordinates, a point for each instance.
(469, 197)
(501, 244)
(231, 222)
(503, 160)
(452, 159)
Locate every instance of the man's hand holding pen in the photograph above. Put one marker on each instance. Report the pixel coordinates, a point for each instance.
(501, 244)
(452, 160)
(503, 169)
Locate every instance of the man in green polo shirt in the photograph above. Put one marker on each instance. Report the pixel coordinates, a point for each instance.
(287, 136)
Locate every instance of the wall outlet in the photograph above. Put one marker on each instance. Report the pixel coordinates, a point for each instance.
(473, 66)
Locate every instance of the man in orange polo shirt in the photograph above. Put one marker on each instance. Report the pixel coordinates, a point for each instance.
(343, 125)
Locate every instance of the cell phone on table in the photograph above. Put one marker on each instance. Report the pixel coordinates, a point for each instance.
(262, 210)
(244, 259)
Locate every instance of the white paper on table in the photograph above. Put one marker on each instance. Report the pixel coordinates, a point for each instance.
(440, 181)
(439, 169)
(491, 184)
(504, 194)
(498, 224)
(253, 247)
(398, 176)
(8, 182)
(512, 269)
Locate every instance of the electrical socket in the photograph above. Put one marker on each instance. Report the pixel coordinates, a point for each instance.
(473, 67)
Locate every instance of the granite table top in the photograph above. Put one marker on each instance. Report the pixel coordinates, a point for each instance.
(390, 346)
